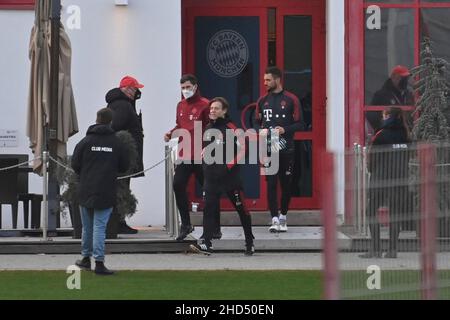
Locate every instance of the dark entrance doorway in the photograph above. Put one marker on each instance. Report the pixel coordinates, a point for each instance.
(228, 44)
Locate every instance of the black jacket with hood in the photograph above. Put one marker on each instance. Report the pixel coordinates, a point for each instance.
(126, 118)
(98, 159)
(389, 95)
(389, 153)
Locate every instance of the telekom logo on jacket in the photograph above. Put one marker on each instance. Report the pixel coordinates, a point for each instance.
(268, 114)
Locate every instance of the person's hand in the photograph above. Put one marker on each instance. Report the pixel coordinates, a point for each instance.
(280, 130)
(263, 132)
(167, 137)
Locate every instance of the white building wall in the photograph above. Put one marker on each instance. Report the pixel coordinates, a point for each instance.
(15, 28)
(142, 39)
(336, 92)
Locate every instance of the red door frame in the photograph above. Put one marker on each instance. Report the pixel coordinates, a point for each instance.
(318, 134)
(316, 8)
(355, 85)
(355, 60)
(17, 4)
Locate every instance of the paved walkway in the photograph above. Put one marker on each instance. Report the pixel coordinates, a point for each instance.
(219, 261)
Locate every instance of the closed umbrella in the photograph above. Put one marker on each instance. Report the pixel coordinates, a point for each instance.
(39, 110)
(39, 93)
(51, 116)
(67, 115)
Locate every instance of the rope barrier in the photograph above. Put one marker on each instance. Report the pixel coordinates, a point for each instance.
(60, 164)
(19, 165)
(70, 169)
(144, 171)
(118, 178)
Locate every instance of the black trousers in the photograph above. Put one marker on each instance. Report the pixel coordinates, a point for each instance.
(284, 175)
(212, 209)
(183, 172)
(127, 183)
(397, 200)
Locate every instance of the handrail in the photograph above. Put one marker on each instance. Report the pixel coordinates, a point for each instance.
(172, 221)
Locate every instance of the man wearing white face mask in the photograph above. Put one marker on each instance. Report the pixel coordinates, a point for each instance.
(193, 107)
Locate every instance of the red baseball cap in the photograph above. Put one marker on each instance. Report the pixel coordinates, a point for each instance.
(128, 81)
(401, 71)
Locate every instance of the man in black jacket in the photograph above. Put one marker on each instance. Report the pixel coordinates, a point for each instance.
(279, 112)
(97, 159)
(388, 160)
(394, 92)
(221, 173)
(122, 101)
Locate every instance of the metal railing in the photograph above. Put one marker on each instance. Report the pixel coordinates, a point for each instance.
(360, 175)
(172, 221)
(171, 216)
(398, 223)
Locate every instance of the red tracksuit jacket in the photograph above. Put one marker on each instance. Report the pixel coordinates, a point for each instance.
(188, 111)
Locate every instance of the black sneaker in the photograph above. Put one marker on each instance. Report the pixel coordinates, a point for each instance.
(249, 250)
(126, 229)
(201, 248)
(101, 270)
(84, 263)
(184, 232)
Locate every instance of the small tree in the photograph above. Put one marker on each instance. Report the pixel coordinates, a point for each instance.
(432, 115)
(432, 86)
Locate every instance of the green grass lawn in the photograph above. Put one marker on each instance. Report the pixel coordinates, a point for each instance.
(205, 285)
(395, 285)
(165, 285)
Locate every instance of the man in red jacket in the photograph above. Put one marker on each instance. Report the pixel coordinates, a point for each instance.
(193, 108)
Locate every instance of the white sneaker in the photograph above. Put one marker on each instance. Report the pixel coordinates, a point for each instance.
(283, 225)
(275, 227)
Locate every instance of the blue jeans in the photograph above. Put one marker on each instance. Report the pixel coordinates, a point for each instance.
(94, 223)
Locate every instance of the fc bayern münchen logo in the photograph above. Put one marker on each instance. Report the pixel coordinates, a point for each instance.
(227, 53)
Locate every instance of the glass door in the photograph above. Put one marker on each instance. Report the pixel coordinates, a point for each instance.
(301, 55)
(224, 50)
(229, 43)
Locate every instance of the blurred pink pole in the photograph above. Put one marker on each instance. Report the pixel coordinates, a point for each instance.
(330, 250)
(428, 206)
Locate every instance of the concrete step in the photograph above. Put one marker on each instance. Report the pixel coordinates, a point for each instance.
(152, 240)
(296, 239)
(263, 218)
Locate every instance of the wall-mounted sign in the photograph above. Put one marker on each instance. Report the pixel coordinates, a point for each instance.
(227, 53)
(8, 138)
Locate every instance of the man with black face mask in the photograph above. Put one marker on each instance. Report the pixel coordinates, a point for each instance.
(122, 101)
(395, 92)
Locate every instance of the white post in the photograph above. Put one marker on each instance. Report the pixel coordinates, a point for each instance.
(44, 215)
(174, 211)
(357, 186)
(365, 189)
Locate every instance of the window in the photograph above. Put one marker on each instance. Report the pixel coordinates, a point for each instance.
(378, 41)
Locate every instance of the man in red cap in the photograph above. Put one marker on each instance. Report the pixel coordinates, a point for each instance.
(394, 92)
(122, 101)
